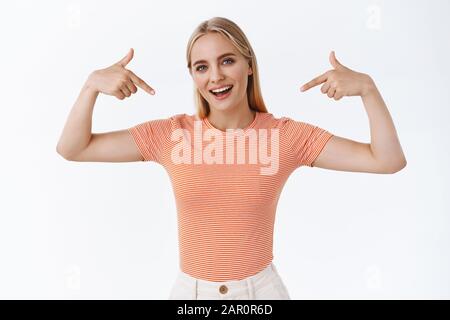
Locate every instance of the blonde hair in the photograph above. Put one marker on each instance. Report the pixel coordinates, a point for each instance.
(237, 37)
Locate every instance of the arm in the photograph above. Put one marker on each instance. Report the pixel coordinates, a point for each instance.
(384, 153)
(77, 143)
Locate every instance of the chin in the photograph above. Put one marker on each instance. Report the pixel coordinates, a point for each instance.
(221, 107)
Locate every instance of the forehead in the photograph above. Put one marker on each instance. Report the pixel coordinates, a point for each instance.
(211, 45)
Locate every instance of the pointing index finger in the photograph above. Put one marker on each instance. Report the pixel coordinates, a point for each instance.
(141, 83)
(314, 82)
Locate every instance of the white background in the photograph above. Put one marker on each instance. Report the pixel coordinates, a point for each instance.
(108, 230)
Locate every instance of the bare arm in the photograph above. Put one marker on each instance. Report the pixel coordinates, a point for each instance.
(77, 142)
(76, 134)
(384, 153)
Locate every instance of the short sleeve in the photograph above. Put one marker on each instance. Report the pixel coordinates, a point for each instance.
(152, 138)
(306, 141)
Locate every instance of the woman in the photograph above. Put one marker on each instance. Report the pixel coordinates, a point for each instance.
(226, 202)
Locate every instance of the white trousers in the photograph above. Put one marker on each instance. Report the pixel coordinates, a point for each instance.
(265, 285)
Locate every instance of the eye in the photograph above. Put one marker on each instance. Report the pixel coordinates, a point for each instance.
(227, 59)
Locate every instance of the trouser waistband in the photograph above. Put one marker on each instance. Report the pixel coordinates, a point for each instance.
(251, 283)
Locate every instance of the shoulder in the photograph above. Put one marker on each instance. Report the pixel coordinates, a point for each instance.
(182, 121)
(163, 126)
(269, 120)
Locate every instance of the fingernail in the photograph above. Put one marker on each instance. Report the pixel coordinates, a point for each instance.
(152, 91)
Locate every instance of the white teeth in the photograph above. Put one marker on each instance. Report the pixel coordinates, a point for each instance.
(221, 89)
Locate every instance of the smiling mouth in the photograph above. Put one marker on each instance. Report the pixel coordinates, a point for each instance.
(219, 94)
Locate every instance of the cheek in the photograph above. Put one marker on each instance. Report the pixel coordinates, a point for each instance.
(237, 74)
(243, 82)
(200, 84)
(240, 74)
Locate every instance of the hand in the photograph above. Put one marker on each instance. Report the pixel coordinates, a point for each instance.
(341, 81)
(118, 81)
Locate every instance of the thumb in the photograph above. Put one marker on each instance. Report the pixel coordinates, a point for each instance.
(127, 58)
(334, 62)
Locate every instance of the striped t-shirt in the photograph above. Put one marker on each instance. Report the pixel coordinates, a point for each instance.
(226, 207)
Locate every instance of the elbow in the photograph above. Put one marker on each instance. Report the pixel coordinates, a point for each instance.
(59, 151)
(403, 165)
(399, 166)
(62, 153)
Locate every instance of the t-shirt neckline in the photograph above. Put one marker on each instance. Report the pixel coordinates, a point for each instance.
(251, 125)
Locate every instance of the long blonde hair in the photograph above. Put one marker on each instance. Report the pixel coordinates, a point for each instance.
(231, 31)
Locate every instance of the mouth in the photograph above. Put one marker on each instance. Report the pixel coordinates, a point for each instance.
(222, 93)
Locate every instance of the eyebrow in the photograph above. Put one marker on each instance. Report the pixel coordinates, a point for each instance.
(218, 58)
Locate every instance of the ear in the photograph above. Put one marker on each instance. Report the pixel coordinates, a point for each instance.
(250, 71)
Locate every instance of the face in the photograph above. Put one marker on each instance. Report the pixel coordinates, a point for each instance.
(216, 63)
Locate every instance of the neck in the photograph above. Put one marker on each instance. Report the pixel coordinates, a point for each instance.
(231, 119)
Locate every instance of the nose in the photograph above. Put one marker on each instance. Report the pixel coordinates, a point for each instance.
(216, 74)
